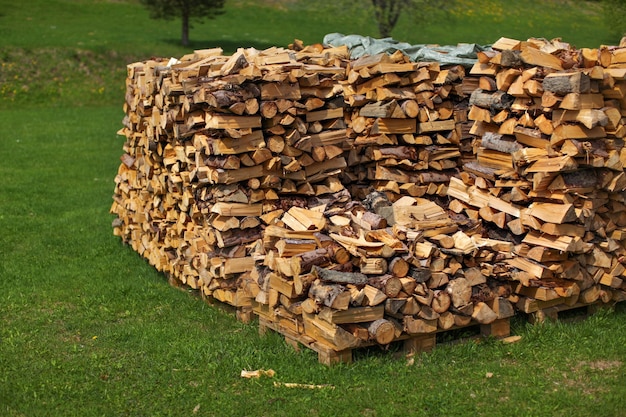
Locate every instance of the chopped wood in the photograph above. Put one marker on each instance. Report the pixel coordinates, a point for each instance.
(352, 315)
(339, 277)
(460, 292)
(483, 314)
(553, 213)
(533, 56)
(498, 100)
(367, 201)
(382, 330)
(332, 295)
(563, 83)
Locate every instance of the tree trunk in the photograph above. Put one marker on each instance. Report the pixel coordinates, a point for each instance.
(387, 13)
(185, 28)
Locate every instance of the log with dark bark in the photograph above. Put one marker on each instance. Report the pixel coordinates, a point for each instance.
(328, 275)
(495, 101)
(500, 143)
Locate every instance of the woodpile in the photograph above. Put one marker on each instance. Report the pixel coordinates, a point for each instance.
(216, 147)
(549, 168)
(357, 202)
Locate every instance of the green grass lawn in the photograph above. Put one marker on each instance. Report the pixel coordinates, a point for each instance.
(88, 328)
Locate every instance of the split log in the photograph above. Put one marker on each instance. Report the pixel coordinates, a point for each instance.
(420, 275)
(411, 307)
(338, 277)
(398, 267)
(501, 307)
(419, 326)
(460, 292)
(332, 334)
(441, 301)
(495, 101)
(322, 257)
(373, 266)
(563, 83)
(483, 314)
(427, 313)
(334, 296)
(553, 213)
(393, 306)
(373, 296)
(445, 320)
(500, 143)
(302, 283)
(352, 315)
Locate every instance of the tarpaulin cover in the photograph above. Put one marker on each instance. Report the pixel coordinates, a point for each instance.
(462, 54)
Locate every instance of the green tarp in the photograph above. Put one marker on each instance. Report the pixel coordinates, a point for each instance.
(463, 54)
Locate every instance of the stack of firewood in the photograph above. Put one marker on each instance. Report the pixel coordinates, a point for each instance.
(216, 145)
(361, 201)
(406, 122)
(350, 277)
(549, 168)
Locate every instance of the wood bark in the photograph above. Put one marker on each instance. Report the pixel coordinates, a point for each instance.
(334, 295)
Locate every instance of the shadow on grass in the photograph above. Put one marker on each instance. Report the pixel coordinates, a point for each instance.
(226, 45)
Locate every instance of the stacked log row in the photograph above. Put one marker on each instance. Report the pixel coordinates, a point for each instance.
(549, 169)
(406, 124)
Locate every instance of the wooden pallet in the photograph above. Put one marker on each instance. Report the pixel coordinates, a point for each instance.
(293, 332)
(563, 312)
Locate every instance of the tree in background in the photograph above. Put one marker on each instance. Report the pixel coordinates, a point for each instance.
(384, 13)
(387, 12)
(187, 10)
